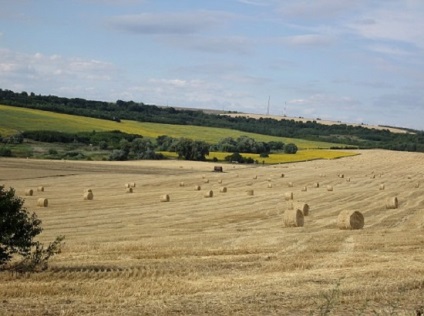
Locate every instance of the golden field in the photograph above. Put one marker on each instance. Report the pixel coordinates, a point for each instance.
(130, 254)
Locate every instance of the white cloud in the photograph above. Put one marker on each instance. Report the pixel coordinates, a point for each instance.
(396, 23)
(317, 9)
(170, 23)
(216, 45)
(308, 40)
(35, 72)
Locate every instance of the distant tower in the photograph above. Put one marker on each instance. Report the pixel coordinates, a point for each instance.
(267, 109)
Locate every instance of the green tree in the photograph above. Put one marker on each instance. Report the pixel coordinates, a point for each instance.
(189, 149)
(18, 229)
(290, 148)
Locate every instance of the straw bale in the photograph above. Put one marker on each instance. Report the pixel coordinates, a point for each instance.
(316, 184)
(223, 189)
(293, 218)
(40, 188)
(392, 203)
(329, 188)
(282, 175)
(288, 196)
(182, 184)
(290, 184)
(382, 186)
(29, 192)
(250, 192)
(88, 195)
(206, 181)
(304, 189)
(303, 207)
(350, 220)
(165, 198)
(42, 202)
(208, 194)
(269, 185)
(129, 190)
(197, 187)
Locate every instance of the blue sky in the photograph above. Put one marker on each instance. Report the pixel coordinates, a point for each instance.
(356, 61)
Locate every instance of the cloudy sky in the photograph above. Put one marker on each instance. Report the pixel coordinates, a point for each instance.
(356, 61)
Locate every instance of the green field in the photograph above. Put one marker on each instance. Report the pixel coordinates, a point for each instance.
(15, 119)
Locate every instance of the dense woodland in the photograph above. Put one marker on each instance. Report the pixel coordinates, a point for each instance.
(312, 130)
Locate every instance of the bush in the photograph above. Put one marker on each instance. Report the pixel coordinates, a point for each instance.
(290, 148)
(5, 152)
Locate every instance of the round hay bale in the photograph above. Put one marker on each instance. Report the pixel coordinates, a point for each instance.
(127, 185)
(250, 192)
(282, 175)
(417, 185)
(392, 203)
(329, 188)
(350, 220)
(208, 194)
(40, 189)
(269, 179)
(42, 202)
(290, 184)
(88, 195)
(373, 176)
(382, 187)
(29, 192)
(181, 184)
(269, 185)
(129, 190)
(316, 185)
(255, 177)
(197, 187)
(304, 189)
(288, 196)
(220, 181)
(206, 181)
(348, 180)
(293, 218)
(303, 207)
(341, 175)
(223, 189)
(165, 198)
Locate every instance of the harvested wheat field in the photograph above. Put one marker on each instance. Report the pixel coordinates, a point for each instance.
(230, 254)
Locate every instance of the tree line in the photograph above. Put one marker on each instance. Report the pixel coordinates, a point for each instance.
(124, 146)
(357, 136)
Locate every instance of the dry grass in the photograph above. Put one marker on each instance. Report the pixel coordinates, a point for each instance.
(130, 254)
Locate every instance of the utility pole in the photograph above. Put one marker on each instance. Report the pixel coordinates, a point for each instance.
(267, 109)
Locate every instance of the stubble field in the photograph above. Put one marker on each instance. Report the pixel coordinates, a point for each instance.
(230, 254)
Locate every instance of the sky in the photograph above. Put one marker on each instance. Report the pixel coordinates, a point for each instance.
(356, 61)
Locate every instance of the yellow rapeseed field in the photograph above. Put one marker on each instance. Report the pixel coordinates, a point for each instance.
(301, 155)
